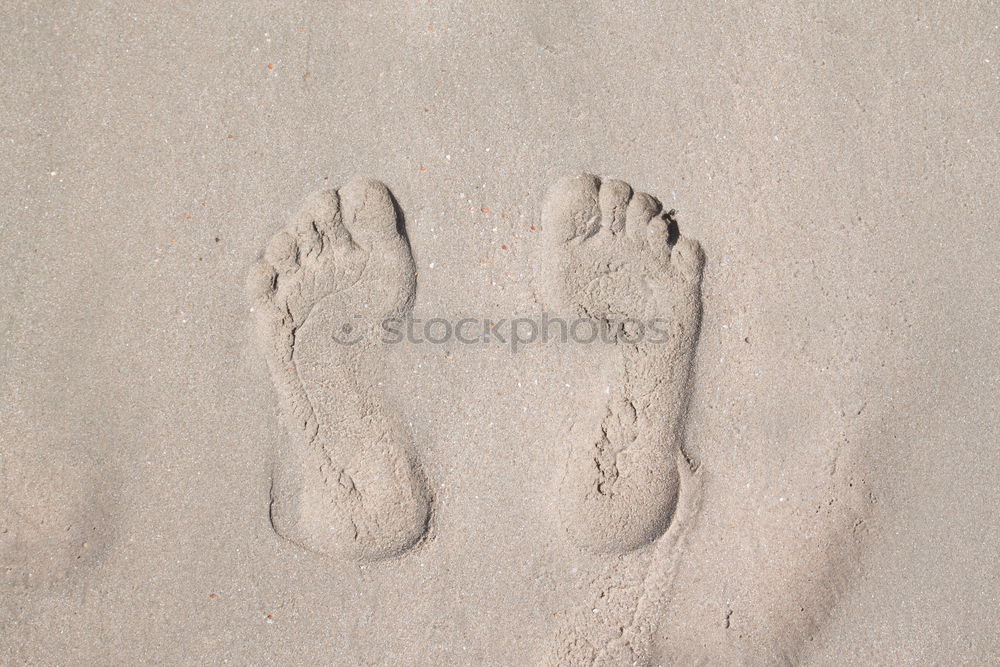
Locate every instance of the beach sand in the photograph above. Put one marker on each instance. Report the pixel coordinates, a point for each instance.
(198, 198)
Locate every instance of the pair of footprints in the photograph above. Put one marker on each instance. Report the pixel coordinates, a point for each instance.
(355, 488)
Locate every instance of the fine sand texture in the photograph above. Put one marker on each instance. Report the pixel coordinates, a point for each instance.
(499, 333)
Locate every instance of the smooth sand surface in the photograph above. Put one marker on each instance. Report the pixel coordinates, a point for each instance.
(821, 457)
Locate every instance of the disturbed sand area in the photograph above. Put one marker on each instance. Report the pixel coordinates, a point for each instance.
(836, 165)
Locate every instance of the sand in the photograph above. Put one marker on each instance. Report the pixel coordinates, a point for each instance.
(196, 468)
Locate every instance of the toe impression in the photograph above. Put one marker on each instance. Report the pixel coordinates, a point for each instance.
(614, 198)
(369, 212)
(571, 208)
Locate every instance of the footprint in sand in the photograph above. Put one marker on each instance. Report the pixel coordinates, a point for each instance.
(352, 488)
(628, 491)
(614, 257)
